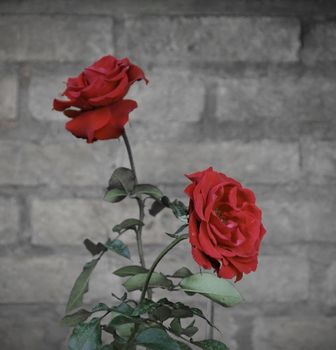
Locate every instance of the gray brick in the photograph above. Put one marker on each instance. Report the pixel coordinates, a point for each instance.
(293, 333)
(62, 38)
(45, 85)
(320, 42)
(294, 98)
(70, 221)
(71, 162)
(9, 218)
(211, 39)
(49, 279)
(276, 280)
(329, 285)
(228, 327)
(265, 161)
(319, 161)
(8, 95)
(294, 219)
(31, 327)
(171, 96)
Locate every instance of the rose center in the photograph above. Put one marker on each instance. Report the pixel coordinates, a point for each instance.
(219, 213)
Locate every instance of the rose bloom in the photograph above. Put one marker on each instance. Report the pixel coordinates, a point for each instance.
(95, 98)
(225, 228)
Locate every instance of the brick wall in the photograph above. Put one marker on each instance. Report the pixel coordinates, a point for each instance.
(246, 86)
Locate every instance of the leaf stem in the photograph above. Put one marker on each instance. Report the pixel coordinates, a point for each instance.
(157, 260)
(139, 201)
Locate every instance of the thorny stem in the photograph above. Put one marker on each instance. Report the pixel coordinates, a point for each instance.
(149, 275)
(157, 260)
(139, 200)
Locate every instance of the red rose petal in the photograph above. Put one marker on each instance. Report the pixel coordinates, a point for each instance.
(102, 123)
(136, 73)
(201, 258)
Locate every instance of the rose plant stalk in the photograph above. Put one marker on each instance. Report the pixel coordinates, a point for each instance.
(222, 223)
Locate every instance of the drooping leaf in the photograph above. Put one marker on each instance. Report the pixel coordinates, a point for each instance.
(179, 210)
(137, 282)
(92, 247)
(149, 190)
(86, 336)
(211, 344)
(130, 271)
(128, 224)
(122, 178)
(81, 286)
(156, 339)
(119, 247)
(156, 208)
(115, 195)
(182, 272)
(77, 317)
(217, 289)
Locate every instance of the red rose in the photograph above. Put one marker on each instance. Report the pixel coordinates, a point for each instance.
(225, 228)
(97, 94)
(103, 83)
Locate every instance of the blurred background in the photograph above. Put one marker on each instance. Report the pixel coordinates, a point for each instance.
(246, 86)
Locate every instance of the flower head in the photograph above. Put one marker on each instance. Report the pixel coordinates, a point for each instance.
(225, 228)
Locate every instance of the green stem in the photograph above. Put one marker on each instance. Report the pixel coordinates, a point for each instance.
(139, 201)
(211, 308)
(157, 260)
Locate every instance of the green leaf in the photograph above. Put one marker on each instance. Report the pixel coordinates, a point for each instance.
(130, 270)
(179, 210)
(175, 326)
(115, 195)
(217, 289)
(124, 309)
(182, 272)
(81, 286)
(156, 339)
(86, 336)
(183, 346)
(211, 345)
(76, 318)
(156, 207)
(162, 313)
(119, 320)
(128, 224)
(118, 247)
(122, 178)
(138, 281)
(100, 307)
(190, 330)
(92, 247)
(149, 190)
(125, 330)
